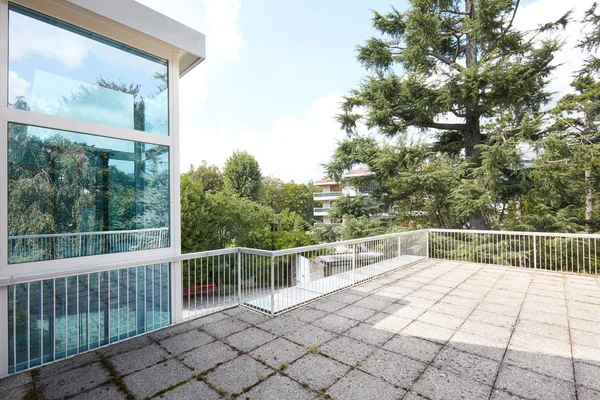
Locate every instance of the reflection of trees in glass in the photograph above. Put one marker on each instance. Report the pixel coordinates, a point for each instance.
(57, 185)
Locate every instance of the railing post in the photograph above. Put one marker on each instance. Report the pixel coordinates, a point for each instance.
(353, 263)
(272, 286)
(427, 232)
(239, 276)
(176, 292)
(534, 251)
(399, 246)
(3, 331)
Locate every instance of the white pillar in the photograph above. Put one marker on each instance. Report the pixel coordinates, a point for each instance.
(3, 331)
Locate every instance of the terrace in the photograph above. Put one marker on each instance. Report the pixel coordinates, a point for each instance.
(425, 314)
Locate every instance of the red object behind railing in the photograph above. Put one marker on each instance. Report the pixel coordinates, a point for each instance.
(199, 289)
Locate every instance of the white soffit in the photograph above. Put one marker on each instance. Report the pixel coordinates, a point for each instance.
(143, 19)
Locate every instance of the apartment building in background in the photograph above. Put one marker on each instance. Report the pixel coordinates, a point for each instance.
(332, 191)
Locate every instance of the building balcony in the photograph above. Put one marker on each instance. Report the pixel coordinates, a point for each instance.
(437, 314)
(327, 196)
(321, 212)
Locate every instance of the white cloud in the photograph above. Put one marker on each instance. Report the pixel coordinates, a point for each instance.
(223, 17)
(28, 36)
(292, 148)
(17, 86)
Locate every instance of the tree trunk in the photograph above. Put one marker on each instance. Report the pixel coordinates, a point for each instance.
(588, 200)
(518, 209)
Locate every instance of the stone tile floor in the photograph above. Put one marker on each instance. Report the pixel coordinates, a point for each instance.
(434, 330)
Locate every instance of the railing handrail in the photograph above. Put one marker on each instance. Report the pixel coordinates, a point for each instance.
(522, 233)
(12, 279)
(47, 235)
(285, 252)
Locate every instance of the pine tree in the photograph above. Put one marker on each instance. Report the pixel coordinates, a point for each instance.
(448, 66)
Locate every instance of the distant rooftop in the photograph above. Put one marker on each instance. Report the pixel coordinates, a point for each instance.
(350, 174)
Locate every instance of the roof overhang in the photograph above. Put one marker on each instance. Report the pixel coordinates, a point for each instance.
(134, 15)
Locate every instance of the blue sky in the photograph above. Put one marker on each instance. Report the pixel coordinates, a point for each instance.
(276, 70)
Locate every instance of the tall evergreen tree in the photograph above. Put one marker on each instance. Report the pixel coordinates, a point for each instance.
(449, 66)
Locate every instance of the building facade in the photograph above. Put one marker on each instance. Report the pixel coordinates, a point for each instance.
(89, 154)
(332, 191)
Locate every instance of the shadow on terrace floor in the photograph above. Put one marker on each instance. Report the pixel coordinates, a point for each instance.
(434, 330)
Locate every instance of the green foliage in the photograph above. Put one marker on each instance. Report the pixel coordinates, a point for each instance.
(463, 59)
(353, 206)
(209, 176)
(219, 217)
(242, 175)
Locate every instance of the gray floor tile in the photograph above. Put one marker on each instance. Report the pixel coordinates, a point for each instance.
(225, 327)
(283, 324)
(546, 364)
(310, 336)
(587, 375)
(413, 347)
(531, 385)
(279, 353)
(317, 371)
(335, 323)
(467, 365)
(355, 312)
(193, 389)
(62, 366)
(361, 386)
(249, 339)
(208, 356)
(126, 363)
(369, 334)
(439, 384)
(104, 392)
(278, 387)
(238, 374)
(347, 350)
(584, 393)
(123, 347)
(150, 381)
(398, 370)
(73, 381)
(186, 341)
(429, 332)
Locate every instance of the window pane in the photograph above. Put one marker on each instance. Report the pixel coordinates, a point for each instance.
(58, 69)
(73, 195)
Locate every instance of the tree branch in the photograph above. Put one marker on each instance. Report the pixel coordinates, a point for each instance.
(446, 126)
(445, 60)
(456, 12)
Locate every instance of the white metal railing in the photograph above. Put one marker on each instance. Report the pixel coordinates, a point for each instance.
(31, 248)
(57, 314)
(321, 195)
(578, 253)
(276, 281)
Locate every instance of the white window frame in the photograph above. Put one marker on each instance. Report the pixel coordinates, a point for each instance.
(74, 15)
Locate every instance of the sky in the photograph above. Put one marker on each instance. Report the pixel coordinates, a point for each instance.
(275, 73)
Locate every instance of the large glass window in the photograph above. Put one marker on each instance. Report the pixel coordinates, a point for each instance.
(58, 69)
(72, 195)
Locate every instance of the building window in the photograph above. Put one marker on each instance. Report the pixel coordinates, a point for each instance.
(58, 69)
(72, 195)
